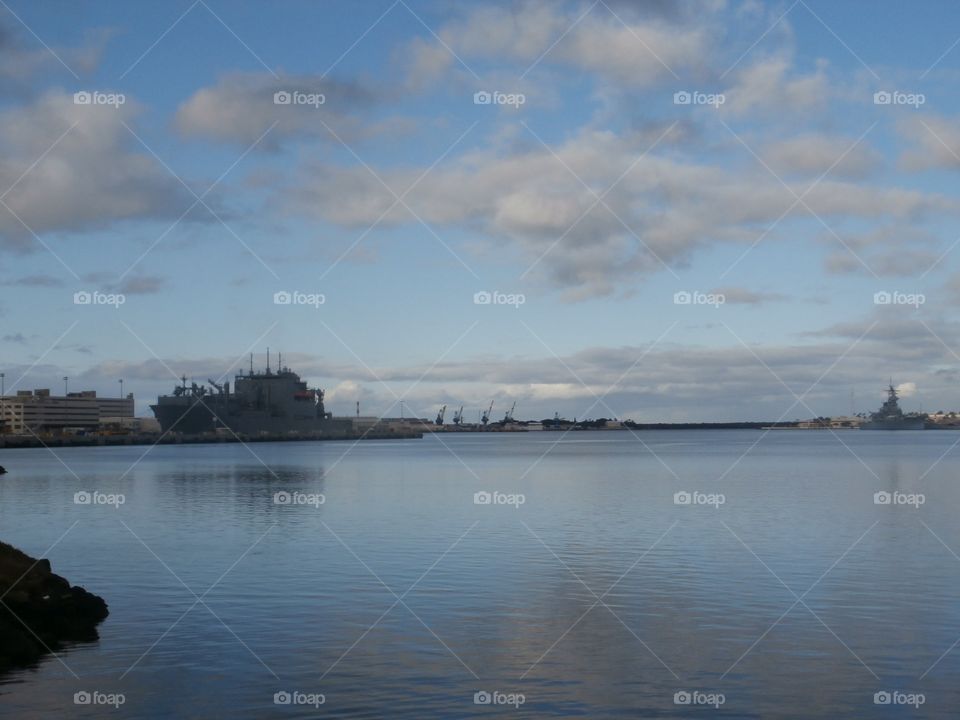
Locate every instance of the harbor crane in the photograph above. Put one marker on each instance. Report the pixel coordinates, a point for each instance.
(508, 417)
(485, 418)
(458, 416)
(443, 411)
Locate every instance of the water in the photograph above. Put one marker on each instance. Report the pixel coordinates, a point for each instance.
(597, 597)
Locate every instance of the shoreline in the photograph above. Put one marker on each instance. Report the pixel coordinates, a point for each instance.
(29, 441)
(13, 442)
(41, 611)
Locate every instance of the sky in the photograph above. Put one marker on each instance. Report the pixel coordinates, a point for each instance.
(649, 209)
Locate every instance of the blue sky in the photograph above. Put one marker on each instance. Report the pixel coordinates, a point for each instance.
(794, 198)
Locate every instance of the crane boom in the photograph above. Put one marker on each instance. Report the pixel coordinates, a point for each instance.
(485, 418)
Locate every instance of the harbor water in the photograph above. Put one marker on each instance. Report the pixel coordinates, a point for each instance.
(715, 573)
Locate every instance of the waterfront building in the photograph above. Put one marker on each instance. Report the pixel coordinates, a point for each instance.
(37, 411)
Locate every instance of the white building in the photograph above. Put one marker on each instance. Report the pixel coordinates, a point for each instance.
(37, 411)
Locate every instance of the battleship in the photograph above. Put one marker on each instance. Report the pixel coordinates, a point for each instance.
(891, 417)
(260, 403)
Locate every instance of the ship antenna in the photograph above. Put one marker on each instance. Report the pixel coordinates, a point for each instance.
(251, 363)
(279, 362)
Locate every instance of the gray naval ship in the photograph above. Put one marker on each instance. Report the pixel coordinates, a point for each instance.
(263, 403)
(891, 417)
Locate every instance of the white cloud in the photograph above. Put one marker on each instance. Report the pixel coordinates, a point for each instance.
(890, 250)
(529, 201)
(633, 49)
(907, 389)
(241, 107)
(935, 143)
(743, 296)
(22, 59)
(96, 175)
(815, 154)
(769, 87)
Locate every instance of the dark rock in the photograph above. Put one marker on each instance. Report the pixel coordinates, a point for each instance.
(3, 470)
(39, 611)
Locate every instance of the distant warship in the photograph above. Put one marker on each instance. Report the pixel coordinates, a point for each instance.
(260, 403)
(891, 417)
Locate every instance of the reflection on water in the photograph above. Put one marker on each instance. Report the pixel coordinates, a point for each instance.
(394, 595)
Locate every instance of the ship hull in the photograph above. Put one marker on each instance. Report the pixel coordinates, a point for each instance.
(913, 424)
(190, 417)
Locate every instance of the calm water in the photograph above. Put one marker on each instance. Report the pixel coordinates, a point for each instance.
(597, 597)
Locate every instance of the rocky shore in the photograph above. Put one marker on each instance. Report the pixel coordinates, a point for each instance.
(39, 611)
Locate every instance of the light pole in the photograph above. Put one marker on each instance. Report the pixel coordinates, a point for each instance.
(65, 385)
(121, 388)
